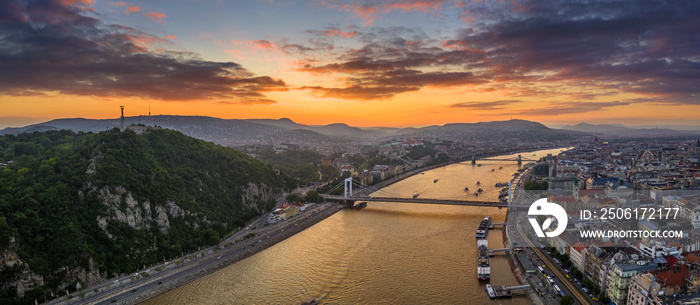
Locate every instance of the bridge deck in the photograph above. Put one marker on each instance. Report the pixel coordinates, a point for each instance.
(423, 200)
(518, 287)
(514, 160)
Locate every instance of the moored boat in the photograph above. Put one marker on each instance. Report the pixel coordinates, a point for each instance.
(483, 269)
(491, 291)
(483, 227)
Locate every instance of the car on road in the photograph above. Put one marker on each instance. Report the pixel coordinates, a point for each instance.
(218, 257)
(114, 301)
(160, 282)
(136, 274)
(133, 291)
(116, 281)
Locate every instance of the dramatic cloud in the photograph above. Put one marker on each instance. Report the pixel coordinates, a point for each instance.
(157, 17)
(369, 11)
(334, 31)
(543, 48)
(394, 67)
(494, 105)
(129, 9)
(50, 46)
(647, 47)
(415, 5)
(263, 45)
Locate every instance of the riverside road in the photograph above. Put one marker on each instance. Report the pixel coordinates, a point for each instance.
(163, 277)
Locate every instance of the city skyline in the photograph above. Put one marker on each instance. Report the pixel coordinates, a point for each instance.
(384, 63)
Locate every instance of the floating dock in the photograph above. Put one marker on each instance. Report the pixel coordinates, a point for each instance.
(502, 291)
(498, 291)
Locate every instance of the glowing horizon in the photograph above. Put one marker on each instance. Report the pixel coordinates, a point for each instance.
(394, 63)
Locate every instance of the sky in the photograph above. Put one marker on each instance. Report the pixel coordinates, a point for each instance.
(364, 63)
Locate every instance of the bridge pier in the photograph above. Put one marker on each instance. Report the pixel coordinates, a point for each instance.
(473, 159)
(520, 160)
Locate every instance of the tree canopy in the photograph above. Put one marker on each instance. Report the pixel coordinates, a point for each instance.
(50, 199)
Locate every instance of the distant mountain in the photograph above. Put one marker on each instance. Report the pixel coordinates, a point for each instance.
(282, 123)
(343, 130)
(602, 128)
(506, 125)
(235, 132)
(220, 131)
(337, 130)
(617, 130)
(497, 130)
(673, 127)
(385, 130)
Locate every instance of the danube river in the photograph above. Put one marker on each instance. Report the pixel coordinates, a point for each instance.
(387, 253)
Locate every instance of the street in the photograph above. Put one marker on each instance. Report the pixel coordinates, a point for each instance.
(173, 273)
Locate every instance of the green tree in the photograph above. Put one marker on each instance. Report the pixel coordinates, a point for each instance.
(566, 300)
(52, 194)
(531, 185)
(313, 196)
(295, 197)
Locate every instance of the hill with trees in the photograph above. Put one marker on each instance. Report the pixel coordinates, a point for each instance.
(79, 208)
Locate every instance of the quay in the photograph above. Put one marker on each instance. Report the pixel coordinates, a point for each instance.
(503, 291)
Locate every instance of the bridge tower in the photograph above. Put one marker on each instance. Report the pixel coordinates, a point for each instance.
(348, 187)
(520, 160)
(473, 159)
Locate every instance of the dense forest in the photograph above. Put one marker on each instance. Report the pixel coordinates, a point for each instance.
(56, 185)
(302, 165)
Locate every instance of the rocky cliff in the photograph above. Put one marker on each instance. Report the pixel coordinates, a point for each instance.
(76, 209)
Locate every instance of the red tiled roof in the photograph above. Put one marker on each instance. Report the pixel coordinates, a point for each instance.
(692, 258)
(579, 247)
(673, 277)
(670, 260)
(582, 193)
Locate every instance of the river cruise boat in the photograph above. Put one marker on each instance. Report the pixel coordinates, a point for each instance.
(483, 269)
(483, 228)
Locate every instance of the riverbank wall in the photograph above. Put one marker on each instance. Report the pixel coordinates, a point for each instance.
(267, 243)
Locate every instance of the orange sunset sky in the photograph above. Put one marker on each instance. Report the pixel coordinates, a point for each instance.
(364, 63)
